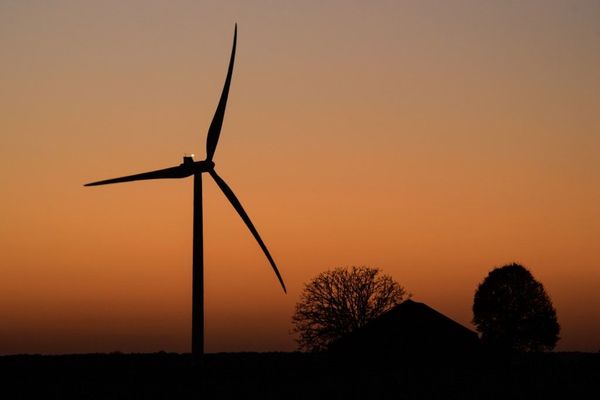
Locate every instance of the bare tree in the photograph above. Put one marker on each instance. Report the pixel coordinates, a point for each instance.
(338, 301)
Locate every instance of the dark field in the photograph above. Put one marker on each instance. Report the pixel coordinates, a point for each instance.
(296, 376)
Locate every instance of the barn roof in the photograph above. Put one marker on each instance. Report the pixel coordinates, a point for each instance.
(410, 327)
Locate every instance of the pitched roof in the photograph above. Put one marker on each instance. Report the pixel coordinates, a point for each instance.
(410, 327)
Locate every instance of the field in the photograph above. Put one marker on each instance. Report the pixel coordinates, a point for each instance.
(295, 376)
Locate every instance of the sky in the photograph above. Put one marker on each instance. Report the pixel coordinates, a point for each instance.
(435, 140)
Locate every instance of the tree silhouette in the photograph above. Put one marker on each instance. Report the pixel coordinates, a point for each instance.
(338, 301)
(513, 312)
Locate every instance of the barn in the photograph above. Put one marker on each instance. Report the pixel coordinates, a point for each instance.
(409, 330)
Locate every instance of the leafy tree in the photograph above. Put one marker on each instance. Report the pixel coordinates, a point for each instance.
(513, 312)
(338, 301)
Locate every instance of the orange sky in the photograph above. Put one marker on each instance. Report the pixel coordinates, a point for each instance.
(435, 141)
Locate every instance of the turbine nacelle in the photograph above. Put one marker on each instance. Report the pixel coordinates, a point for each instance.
(196, 166)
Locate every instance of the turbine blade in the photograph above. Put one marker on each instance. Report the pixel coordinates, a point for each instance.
(167, 173)
(215, 126)
(238, 207)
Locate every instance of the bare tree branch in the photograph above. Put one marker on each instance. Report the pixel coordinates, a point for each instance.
(338, 301)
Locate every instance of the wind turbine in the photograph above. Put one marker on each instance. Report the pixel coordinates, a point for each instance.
(190, 167)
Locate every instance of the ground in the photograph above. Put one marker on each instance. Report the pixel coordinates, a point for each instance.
(296, 376)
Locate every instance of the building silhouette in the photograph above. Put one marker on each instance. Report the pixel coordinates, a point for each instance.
(411, 330)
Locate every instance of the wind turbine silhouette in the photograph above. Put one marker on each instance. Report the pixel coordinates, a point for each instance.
(190, 167)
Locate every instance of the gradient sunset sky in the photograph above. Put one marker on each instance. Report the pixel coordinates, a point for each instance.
(433, 139)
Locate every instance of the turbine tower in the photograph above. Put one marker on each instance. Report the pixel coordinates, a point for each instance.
(190, 167)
